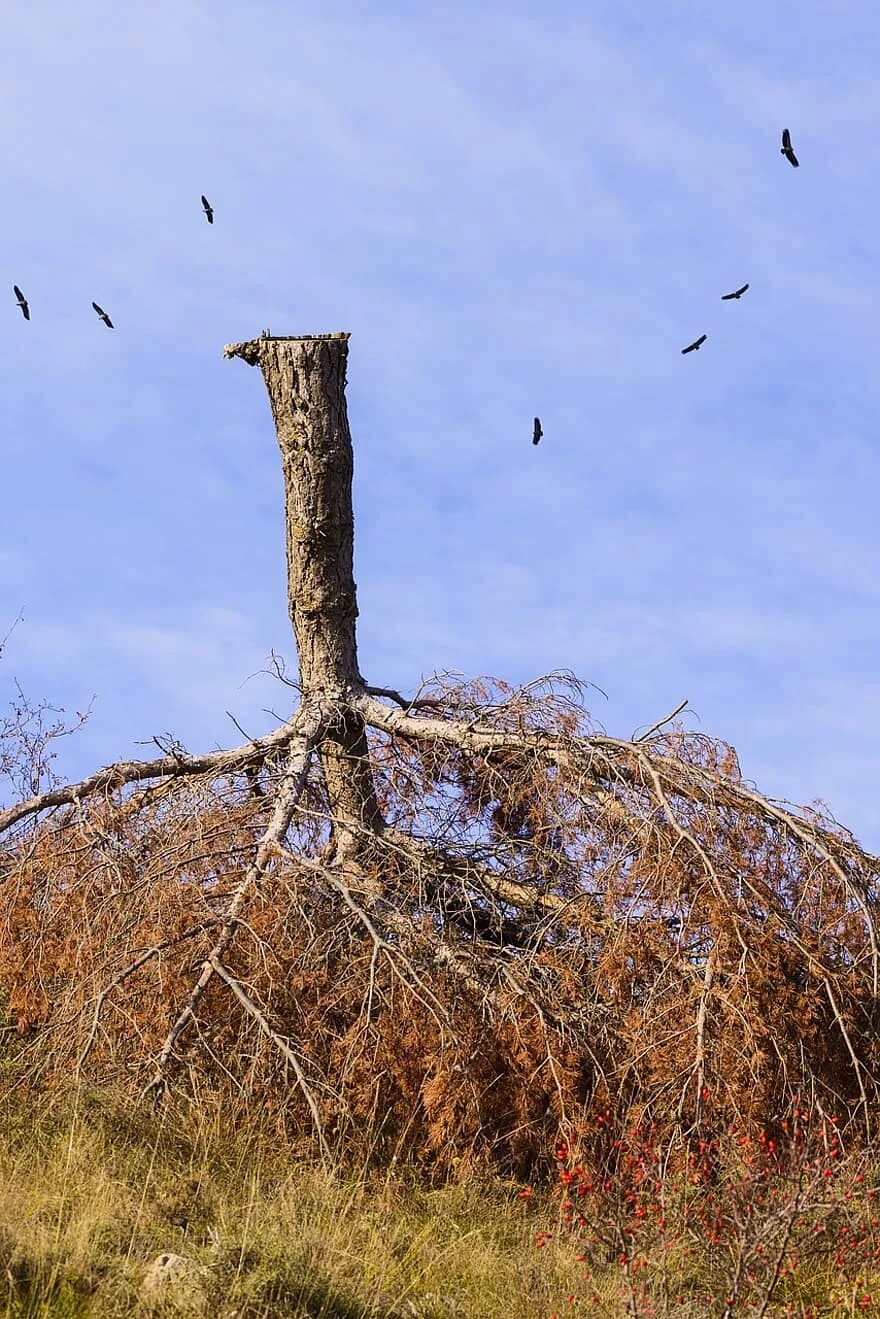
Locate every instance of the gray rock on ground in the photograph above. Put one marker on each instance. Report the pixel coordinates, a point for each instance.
(176, 1283)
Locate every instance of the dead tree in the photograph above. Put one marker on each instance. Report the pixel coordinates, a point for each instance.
(470, 903)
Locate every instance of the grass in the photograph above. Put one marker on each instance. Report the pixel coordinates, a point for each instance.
(92, 1190)
(91, 1193)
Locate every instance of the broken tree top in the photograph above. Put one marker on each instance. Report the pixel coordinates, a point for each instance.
(250, 348)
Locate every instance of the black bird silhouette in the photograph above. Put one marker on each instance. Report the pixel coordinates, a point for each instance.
(692, 346)
(537, 432)
(22, 302)
(725, 297)
(208, 209)
(787, 150)
(103, 315)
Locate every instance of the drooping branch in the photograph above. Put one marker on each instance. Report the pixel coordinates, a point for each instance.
(253, 1010)
(607, 761)
(311, 723)
(177, 766)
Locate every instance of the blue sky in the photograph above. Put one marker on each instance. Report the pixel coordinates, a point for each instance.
(515, 209)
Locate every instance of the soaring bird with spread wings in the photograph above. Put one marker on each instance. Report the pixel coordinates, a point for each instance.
(103, 315)
(725, 297)
(537, 432)
(208, 209)
(692, 347)
(22, 302)
(787, 150)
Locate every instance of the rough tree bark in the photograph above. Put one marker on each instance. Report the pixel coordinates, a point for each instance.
(305, 381)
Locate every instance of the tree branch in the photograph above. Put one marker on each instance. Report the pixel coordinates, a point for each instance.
(278, 1040)
(312, 724)
(123, 772)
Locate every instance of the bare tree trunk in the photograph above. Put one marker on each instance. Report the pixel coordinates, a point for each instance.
(305, 380)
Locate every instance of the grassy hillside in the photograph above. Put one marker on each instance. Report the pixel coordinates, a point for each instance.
(91, 1192)
(89, 1195)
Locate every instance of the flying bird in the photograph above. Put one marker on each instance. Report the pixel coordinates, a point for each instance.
(208, 209)
(725, 297)
(103, 315)
(787, 150)
(696, 344)
(22, 302)
(537, 432)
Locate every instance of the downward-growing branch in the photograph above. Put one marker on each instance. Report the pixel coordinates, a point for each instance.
(311, 723)
(605, 762)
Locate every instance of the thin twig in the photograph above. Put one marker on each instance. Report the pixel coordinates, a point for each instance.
(660, 722)
(130, 970)
(278, 1040)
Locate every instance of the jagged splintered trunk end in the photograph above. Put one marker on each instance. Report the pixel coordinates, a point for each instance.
(305, 380)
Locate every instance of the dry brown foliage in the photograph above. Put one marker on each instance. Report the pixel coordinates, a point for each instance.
(519, 945)
(447, 926)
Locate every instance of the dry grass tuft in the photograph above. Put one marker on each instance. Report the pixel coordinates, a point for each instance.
(90, 1196)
